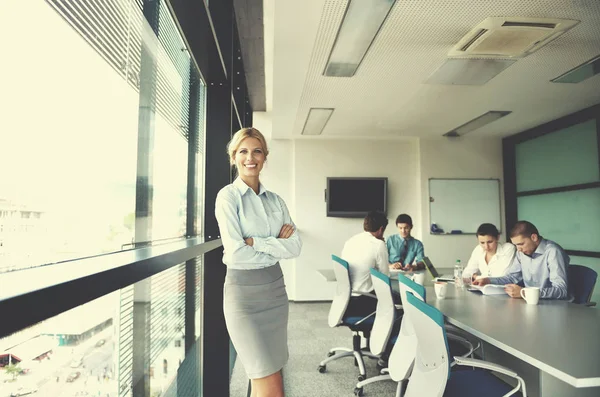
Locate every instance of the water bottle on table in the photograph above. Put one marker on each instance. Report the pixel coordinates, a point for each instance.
(458, 271)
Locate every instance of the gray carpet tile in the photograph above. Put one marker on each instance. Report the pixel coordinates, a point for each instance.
(309, 340)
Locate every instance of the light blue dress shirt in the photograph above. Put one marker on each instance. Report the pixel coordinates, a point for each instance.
(241, 214)
(415, 252)
(546, 269)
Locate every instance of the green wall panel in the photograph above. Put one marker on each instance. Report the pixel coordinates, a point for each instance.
(561, 158)
(572, 219)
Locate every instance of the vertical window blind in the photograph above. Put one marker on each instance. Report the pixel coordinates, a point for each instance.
(117, 30)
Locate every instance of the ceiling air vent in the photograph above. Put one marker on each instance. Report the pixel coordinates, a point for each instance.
(514, 37)
(473, 39)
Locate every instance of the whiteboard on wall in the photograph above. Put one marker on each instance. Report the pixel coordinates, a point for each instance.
(464, 204)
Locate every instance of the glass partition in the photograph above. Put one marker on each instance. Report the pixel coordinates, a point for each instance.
(561, 158)
(558, 181)
(572, 219)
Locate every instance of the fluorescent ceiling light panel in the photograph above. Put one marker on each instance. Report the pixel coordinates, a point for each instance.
(468, 71)
(316, 120)
(360, 26)
(478, 122)
(581, 72)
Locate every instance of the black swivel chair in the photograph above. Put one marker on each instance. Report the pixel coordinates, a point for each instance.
(582, 281)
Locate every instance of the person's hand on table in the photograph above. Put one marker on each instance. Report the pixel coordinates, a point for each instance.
(481, 281)
(396, 266)
(513, 290)
(468, 280)
(409, 268)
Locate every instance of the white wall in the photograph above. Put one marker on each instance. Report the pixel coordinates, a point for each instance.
(297, 171)
(456, 158)
(277, 176)
(314, 161)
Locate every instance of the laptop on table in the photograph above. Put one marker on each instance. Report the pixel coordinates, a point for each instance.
(435, 274)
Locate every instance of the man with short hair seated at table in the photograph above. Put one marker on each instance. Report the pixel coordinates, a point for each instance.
(538, 263)
(363, 252)
(406, 252)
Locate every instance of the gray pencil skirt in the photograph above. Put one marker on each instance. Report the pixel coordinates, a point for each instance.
(256, 311)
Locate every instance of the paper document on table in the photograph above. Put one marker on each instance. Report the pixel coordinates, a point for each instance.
(398, 271)
(489, 289)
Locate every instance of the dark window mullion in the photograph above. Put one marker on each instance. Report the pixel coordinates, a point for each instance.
(558, 189)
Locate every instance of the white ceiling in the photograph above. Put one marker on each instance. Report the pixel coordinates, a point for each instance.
(387, 96)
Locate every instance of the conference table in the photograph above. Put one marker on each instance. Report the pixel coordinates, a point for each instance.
(554, 345)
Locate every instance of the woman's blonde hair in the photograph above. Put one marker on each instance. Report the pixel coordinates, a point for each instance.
(242, 134)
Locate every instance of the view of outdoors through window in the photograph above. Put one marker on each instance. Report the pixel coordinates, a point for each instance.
(67, 188)
(71, 354)
(69, 161)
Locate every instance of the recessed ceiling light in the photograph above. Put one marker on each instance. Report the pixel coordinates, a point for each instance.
(361, 23)
(468, 71)
(316, 120)
(477, 122)
(580, 73)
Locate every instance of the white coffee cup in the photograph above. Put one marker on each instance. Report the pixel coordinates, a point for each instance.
(419, 278)
(531, 295)
(440, 289)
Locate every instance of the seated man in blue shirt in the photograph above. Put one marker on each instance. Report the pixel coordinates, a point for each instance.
(405, 251)
(538, 263)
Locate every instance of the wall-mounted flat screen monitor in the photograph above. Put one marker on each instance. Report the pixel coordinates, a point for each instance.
(355, 197)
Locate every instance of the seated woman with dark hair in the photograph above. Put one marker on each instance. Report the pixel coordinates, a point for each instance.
(490, 258)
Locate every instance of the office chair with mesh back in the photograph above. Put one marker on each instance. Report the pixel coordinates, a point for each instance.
(582, 281)
(432, 374)
(357, 324)
(386, 325)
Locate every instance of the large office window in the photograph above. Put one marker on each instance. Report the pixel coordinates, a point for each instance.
(68, 142)
(86, 351)
(102, 154)
(69, 131)
(96, 98)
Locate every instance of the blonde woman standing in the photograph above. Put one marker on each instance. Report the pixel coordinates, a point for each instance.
(257, 232)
